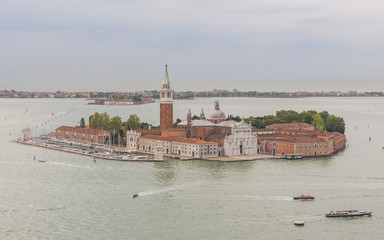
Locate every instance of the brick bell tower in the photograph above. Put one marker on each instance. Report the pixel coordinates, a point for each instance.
(166, 104)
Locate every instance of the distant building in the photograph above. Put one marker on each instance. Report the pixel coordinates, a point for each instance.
(300, 138)
(291, 126)
(83, 135)
(188, 147)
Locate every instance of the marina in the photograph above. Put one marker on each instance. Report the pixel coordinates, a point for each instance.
(96, 151)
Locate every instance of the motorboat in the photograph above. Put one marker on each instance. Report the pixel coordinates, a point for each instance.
(304, 197)
(294, 156)
(140, 158)
(348, 213)
(299, 223)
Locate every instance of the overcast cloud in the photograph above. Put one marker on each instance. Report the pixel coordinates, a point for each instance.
(122, 45)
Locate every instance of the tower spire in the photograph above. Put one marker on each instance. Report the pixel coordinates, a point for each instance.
(166, 78)
(166, 103)
(202, 115)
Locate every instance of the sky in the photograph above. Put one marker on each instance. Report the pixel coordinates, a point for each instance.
(258, 45)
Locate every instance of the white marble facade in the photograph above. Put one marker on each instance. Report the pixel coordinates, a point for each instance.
(241, 142)
(132, 139)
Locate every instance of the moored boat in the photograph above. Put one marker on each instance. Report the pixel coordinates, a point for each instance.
(348, 213)
(304, 197)
(294, 156)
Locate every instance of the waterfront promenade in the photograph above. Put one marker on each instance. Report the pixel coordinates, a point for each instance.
(104, 156)
(243, 158)
(120, 157)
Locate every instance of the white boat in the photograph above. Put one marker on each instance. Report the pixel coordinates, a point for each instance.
(299, 223)
(140, 158)
(294, 156)
(348, 213)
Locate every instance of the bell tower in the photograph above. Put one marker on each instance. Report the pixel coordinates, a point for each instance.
(166, 103)
(202, 115)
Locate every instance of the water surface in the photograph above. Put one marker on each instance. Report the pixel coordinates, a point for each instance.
(71, 197)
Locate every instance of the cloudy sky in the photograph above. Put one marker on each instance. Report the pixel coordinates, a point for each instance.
(123, 45)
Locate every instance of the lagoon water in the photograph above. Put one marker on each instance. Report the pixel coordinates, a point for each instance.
(71, 197)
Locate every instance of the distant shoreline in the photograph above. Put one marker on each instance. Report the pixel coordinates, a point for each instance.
(154, 94)
(2, 97)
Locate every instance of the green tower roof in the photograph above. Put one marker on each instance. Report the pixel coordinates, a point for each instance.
(166, 78)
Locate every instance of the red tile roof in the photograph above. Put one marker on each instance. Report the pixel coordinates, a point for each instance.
(83, 130)
(289, 125)
(177, 139)
(295, 140)
(174, 130)
(148, 131)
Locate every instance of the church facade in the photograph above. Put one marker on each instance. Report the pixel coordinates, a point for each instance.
(241, 142)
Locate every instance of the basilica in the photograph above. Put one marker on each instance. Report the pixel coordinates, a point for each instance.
(213, 136)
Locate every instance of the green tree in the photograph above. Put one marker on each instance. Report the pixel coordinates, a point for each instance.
(318, 122)
(289, 116)
(94, 122)
(136, 98)
(105, 120)
(82, 123)
(306, 117)
(99, 121)
(114, 124)
(335, 124)
(177, 122)
(144, 125)
(324, 115)
(89, 119)
(133, 122)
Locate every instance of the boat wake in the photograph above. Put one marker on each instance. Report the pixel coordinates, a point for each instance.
(268, 198)
(282, 198)
(50, 209)
(69, 165)
(158, 191)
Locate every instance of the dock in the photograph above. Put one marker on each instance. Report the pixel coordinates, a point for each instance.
(243, 158)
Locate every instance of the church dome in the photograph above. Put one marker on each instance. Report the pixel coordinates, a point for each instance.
(217, 114)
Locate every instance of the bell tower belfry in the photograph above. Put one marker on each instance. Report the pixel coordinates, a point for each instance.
(166, 103)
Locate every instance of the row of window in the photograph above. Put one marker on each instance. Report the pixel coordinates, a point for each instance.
(310, 153)
(315, 146)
